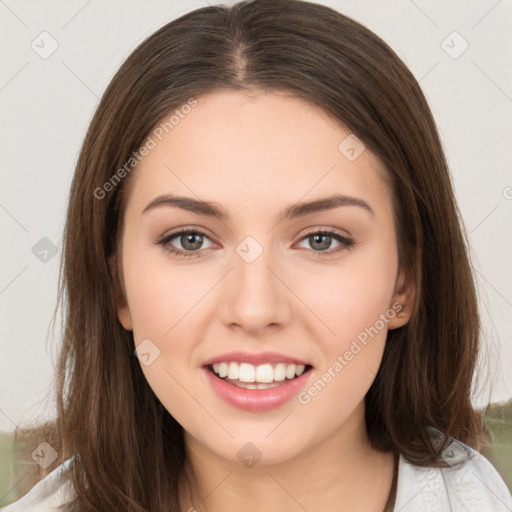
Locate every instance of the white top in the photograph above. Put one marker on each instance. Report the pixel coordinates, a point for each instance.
(471, 484)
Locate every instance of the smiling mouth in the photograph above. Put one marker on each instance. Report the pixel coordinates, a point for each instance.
(248, 376)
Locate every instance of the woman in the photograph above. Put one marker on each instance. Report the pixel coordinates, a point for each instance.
(269, 302)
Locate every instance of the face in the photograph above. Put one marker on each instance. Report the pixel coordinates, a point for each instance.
(262, 294)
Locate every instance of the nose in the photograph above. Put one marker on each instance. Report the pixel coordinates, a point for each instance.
(255, 297)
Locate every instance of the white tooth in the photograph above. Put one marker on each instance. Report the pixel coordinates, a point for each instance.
(233, 370)
(280, 372)
(264, 373)
(262, 386)
(299, 370)
(223, 369)
(246, 372)
(251, 386)
(290, 371)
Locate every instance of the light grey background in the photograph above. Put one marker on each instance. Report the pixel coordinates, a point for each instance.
(47, 103)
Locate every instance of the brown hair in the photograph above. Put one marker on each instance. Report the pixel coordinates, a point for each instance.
(131, 449)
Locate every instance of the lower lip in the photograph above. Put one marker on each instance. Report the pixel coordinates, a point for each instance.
(256, 399)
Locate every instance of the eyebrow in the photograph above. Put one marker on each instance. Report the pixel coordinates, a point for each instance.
(213, 209)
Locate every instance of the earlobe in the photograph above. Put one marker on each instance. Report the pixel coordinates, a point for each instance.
(121, 306)
(403, 299)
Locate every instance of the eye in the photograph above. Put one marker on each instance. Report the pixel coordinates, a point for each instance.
(322, 239)
(191, 241)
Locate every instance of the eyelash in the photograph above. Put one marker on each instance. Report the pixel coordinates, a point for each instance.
(346, 243)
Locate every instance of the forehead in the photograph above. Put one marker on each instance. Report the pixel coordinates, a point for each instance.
(237, 147)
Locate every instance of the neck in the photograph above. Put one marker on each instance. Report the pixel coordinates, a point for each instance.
(342, 470)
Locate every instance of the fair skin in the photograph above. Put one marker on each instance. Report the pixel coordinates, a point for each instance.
(254, 155)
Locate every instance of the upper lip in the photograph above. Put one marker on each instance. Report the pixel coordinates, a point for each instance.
(255, 358)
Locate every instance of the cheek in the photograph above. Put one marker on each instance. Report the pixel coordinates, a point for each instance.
(163, 302)
(352, 300)
(355, 310)
(349, 297)
(160, 293)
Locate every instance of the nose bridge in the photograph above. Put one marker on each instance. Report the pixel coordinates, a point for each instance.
(255, 298)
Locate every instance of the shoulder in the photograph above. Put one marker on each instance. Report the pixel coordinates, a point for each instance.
(469, 483)
(53, 490)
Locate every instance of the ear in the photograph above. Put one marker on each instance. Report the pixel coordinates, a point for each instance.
(403, 298)
(122, 309)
